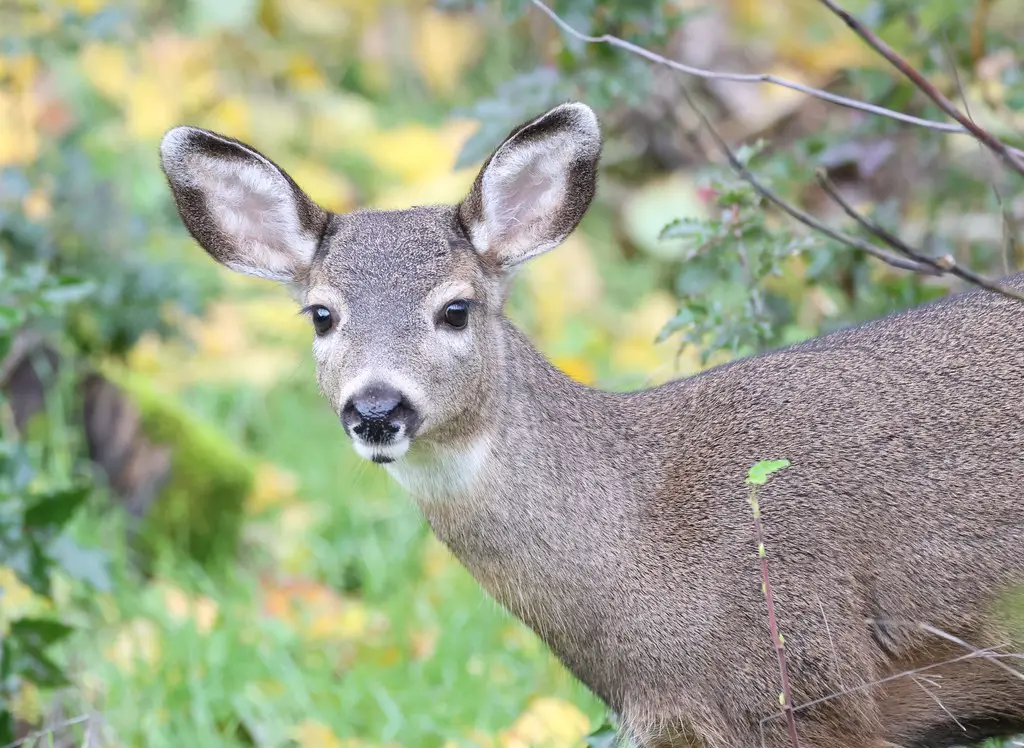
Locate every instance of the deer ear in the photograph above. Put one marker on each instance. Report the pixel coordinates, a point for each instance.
(534, 189)
(242, 208)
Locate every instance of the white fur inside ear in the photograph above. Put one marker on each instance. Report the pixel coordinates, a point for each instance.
(249, 201)
(527, 184)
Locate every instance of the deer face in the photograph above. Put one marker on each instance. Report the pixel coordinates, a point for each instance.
(406, 305)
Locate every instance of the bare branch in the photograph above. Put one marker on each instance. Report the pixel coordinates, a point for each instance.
(1011, 157)
(990, 653)
(773, 626)
(795, 212)
(917, 680)
(912, 259)
(756, 78)
(1009, 249)
(974, 650)
(945, 264)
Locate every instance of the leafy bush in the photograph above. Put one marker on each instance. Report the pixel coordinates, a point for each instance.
(35, 508)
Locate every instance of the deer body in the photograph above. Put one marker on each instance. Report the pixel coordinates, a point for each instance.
(633, 554)
(616, 525)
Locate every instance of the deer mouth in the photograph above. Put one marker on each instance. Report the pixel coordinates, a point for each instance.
(382, 453)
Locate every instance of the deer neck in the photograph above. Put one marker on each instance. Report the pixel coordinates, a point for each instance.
(537, 439)
(535, 503)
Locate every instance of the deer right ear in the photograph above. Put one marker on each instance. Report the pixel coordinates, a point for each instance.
(535, 187)
(242, 208)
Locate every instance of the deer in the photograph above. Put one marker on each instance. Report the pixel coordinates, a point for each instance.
(615, 525)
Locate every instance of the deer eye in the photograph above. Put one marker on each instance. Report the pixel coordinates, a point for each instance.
(323, 320)
(456, 314)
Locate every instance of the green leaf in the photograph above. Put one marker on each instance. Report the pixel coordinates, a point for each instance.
(759, 473)
(89, 565)
(605, 736)
(1015, 99)
(35, 665)
(685, 227)
(67, 290)
(6, 724)
(39, 633)
(53, 510)
(32, 567)
(10, 318)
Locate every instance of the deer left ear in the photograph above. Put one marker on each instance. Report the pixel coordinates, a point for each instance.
(536, 186)
(240, 206)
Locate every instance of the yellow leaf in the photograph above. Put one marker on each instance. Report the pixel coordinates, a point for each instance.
(36, 205)
(138, 642)
(449, 186)
(286, 537)
(27, 704)
(272, 487)
(19, 141)
(231, 116)
(327, 188)
(415, 152)
(34, 21)
(548, 723)
(424, 643)
(342, 121)
(276, 124)
(16, 599)
(107, 68)
(181, 606)
(84, 7)
(304, 74)
(313, 734)
(18, 72)
(317, 17)
(149, 110)
(445, 45)
(562, 284)
(318, 612)
(575, 367)
(635, 352)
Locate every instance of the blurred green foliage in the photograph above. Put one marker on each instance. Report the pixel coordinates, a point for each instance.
(353, 97)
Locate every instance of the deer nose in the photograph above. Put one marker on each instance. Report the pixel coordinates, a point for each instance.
(377, 414)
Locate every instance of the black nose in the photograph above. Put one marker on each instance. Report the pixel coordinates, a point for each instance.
(377, 413)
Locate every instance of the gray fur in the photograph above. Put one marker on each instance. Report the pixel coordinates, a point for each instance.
(616, 525)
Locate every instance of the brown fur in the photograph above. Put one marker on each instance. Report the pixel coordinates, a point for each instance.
(616, 525)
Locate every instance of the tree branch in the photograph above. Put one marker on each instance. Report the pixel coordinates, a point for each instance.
(805, 218)
(912, 259)
(1011, 157)
(757, 78)
(944, 264)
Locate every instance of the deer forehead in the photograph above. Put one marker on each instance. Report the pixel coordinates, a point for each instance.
(402, 259)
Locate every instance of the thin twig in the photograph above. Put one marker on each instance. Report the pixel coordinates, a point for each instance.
(1010, 157)
(775, 80)
(915, 261)
(773, 626)
(960, 642)
(938, 701)
(831, 643)
(987, 653)
(945, 264)
(795, 212)
(1009, 248)
(34, 736)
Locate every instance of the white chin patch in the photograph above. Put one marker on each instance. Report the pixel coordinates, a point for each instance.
(381, 453)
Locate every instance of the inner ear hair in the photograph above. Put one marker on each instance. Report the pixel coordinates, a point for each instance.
(535, 187)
